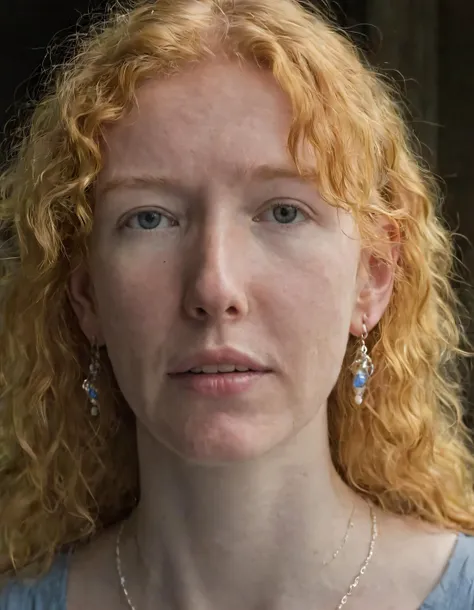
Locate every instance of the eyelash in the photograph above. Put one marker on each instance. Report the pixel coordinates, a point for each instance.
(160, 213)
(282, 204)
(277, 204)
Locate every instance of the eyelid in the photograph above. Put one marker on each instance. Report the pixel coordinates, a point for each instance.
(122, 223)
(275, 203)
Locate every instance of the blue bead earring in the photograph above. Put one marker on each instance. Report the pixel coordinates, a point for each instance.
(362, 367)
(89, 383)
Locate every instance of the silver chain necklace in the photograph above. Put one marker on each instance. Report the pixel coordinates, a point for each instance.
(342, 603)
(350, 525)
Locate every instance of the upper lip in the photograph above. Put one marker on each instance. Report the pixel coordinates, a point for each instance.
(226, 355)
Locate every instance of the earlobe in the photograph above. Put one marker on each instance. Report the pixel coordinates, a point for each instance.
(82, 300)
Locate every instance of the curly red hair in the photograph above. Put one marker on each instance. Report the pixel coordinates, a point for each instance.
(407, 449)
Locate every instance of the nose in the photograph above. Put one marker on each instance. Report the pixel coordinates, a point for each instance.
(214, 276)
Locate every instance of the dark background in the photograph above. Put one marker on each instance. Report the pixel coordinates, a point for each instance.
(426, 45)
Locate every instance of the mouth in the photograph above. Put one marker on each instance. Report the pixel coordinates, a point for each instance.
(218, 372)
(214, 381)
(216, 369)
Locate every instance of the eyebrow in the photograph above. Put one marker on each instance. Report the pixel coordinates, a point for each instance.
(176, 185)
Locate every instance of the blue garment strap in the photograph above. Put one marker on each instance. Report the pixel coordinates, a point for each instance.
(455, 590)
(45, 593)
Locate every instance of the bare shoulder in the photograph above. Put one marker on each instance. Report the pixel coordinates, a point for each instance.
(92, 581)
(410, 541)
(414, 556)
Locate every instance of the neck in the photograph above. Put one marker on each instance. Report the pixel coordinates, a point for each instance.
(251, 534)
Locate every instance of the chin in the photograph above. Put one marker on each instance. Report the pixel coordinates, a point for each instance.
(225, 438)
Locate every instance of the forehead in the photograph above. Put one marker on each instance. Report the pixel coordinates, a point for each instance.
(201, 123)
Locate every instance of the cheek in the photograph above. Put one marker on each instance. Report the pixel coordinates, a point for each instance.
(138, 302)
(311, 306)
(135, 297)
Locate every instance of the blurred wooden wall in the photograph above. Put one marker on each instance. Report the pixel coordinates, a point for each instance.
(428, 47)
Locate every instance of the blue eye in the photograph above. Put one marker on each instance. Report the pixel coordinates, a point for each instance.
(284, 213)
(148, 220)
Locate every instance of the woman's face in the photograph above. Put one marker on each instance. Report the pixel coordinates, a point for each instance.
(206, 241)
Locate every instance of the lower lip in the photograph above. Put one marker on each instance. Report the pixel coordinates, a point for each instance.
(218, 384)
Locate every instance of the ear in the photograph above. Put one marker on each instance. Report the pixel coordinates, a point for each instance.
(375, 279)
(82, 298)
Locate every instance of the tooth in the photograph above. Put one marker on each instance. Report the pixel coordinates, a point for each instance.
(219, 368)
(226, 368)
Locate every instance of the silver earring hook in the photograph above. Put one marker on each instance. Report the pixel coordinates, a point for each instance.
(365, 332)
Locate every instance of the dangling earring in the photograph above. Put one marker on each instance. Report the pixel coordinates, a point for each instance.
(362, 367)
(89, 383)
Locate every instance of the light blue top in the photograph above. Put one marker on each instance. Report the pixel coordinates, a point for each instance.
(455, 590)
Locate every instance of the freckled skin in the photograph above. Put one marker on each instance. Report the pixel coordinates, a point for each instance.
(220, 267)
(247, 516)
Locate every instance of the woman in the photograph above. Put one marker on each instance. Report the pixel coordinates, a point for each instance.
(229, 343)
